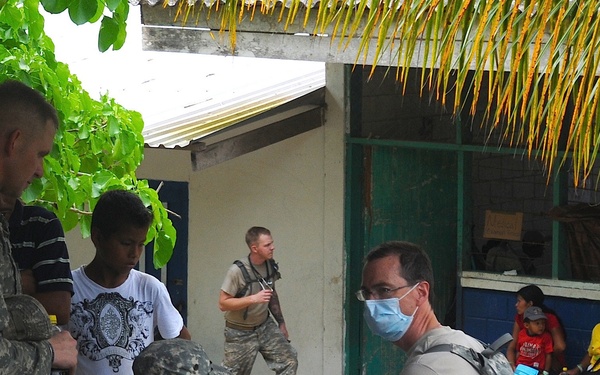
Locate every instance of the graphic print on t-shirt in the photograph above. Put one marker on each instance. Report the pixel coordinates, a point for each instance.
(530, 350)
(111, 328)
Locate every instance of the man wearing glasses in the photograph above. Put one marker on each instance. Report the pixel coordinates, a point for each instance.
(397, 288)
(247, 297)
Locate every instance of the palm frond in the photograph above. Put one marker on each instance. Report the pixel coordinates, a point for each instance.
(540, 59)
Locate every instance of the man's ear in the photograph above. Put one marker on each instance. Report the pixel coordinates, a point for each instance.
(11, 141)
(96, 236)
(423, 290)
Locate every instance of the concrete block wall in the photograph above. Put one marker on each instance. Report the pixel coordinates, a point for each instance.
(488, 314)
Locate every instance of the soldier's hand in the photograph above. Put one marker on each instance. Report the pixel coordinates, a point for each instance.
(65, 351)
(284, 330)
(264, 296)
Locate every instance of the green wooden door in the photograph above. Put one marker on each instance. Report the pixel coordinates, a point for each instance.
(405, 194)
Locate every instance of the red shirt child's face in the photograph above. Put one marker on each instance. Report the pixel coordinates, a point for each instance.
(536, 327)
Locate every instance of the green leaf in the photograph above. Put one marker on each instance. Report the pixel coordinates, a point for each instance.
(85, 224)
(69, 220)
(121, 36)
(113, 4)
(96, 17)
(36, 21)
(82, 11)
(13, 18)
(33, 191)
(114, 128)
(151, 234)
(121, 13)
(109, 31)
(163, 249)
(24, 65)
(101, 180)
(83, 132)
(55, 6)
(148, 195)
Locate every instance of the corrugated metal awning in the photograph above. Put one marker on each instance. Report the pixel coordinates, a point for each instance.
(181, 96)
(244, 99)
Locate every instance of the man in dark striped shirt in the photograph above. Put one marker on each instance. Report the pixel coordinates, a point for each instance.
(39, 248)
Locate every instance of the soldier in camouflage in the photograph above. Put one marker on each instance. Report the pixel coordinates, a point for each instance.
(175, 357)
(249, 299)
(28, 124)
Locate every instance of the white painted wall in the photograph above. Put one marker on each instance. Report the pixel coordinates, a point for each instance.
(295, 188)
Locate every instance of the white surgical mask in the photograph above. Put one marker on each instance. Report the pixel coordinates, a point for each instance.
(385, 319)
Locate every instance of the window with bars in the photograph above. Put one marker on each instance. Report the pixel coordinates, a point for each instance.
(509, 183)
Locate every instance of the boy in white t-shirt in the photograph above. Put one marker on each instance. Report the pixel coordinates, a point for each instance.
(116, 308)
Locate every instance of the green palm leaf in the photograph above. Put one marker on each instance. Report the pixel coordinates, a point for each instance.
(540, 59)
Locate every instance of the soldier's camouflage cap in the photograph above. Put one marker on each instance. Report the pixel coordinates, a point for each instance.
(175, 357)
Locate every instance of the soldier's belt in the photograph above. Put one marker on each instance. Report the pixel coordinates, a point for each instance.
(241, 328)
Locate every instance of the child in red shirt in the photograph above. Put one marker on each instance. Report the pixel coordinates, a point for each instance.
(534, 343)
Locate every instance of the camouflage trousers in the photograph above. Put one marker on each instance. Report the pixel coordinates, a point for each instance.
(241, 348)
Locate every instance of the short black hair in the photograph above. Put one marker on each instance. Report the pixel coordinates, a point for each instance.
(117, 209)
(415, 265)
(23, 107)
(254, 233)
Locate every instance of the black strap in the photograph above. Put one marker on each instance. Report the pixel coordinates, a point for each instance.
(249, 280)
(246, 276)
(498, 344)
(272, 273)
(256, 273)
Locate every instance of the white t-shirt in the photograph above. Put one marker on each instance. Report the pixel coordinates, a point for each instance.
(113, 325)
(440, 363)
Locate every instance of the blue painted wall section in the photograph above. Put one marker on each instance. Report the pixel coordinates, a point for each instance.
(488, 314)
(176, 196)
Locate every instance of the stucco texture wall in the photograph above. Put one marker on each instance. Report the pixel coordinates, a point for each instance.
(279, 187)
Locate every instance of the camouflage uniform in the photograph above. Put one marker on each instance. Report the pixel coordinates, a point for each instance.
(279, 354)
(175, 357)
(17, 357)
(252, 330)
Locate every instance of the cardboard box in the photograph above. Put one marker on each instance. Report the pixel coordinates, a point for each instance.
(503, 225)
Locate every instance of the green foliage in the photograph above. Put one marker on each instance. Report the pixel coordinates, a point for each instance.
(113, 13)
(82, 11)
(99, 144)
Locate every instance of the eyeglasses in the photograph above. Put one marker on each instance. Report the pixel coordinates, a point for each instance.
(381, 292)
